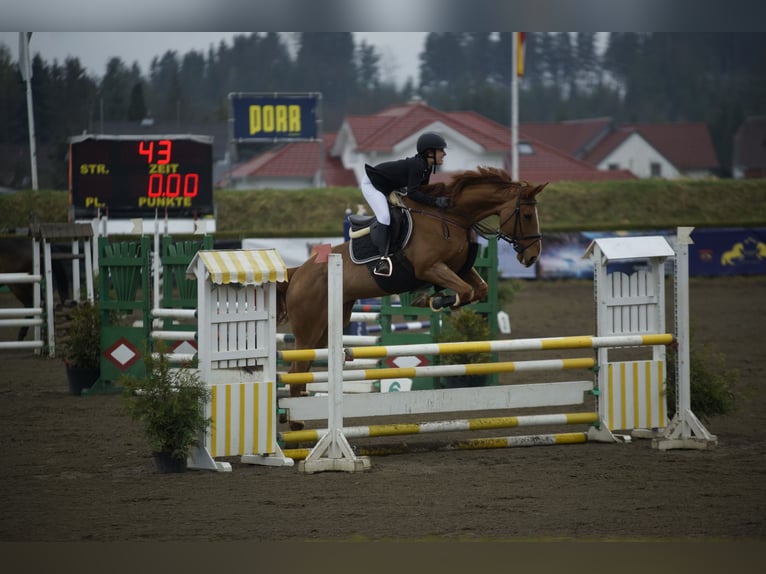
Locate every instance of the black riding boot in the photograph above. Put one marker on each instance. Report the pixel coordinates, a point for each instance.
(380, 238)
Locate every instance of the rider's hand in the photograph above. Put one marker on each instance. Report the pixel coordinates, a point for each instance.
(441, 202)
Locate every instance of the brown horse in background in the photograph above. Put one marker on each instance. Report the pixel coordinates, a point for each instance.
(16, 256)
(439, 248)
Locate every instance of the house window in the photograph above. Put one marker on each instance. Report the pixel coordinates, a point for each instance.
(655, 169)
(525, 149)
(614, 166)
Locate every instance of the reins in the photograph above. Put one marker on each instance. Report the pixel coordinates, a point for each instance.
(444, 220)
(487, 231)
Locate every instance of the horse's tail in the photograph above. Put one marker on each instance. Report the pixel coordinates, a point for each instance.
(282, 288)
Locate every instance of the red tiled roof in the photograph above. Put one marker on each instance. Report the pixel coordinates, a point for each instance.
(572, 137)
(547, 163)
(381, 132)
(299, 159)
(686, 145)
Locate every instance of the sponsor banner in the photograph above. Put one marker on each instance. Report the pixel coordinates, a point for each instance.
(728, 252)
(269, 117)
(733, 251)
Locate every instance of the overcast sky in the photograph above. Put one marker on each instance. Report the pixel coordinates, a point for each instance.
(399, 50)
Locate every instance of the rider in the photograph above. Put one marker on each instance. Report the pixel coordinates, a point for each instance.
(405, 175)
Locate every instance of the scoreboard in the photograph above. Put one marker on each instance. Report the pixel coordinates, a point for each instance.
(135, 176)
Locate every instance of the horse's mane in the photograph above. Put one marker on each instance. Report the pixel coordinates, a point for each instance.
(482, 175)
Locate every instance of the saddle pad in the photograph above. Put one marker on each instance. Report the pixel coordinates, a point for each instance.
(362, 250)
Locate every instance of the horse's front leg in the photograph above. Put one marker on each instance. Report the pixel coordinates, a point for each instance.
(480, 287)
(440, 274)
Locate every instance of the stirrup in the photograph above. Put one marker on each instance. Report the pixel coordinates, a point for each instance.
(384, 267)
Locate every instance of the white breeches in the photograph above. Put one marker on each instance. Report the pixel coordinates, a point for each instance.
(376, 200)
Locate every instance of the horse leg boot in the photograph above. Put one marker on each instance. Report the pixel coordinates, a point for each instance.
(379, 234)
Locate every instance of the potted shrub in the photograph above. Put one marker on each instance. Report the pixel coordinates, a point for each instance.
(461, 325)
(170, 404)
(82, 347)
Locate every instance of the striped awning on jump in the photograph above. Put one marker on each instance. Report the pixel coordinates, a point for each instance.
(243, 266)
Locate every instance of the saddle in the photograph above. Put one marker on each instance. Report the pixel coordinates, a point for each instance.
(363, 252)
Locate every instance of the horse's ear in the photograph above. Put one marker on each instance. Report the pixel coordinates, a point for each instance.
(539, 188)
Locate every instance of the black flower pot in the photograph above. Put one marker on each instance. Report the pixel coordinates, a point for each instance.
(81, 378)
(166, 463)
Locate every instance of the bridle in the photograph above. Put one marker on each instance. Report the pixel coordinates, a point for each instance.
(487, 231)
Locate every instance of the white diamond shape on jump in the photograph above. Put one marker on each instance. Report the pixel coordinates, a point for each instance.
(408, 361)
(185, 347)
(123, 354)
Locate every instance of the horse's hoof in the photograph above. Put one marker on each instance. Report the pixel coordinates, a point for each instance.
(297, 425)
(421, 300)
(439, 302)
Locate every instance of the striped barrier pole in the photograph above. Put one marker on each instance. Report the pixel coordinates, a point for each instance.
(467, 444)
(407, 326)
(354, 340)
(542, 344)
(364, 316)
(484, 423)
(442, 370)
(367, 307)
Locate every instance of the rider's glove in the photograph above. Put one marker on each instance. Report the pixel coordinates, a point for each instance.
(441, 202)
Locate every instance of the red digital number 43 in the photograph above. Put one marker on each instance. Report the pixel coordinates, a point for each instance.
(164, 148)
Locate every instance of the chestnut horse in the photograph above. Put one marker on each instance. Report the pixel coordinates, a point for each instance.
(439, 249)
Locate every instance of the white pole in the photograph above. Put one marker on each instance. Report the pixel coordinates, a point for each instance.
(685, 430)
(335, 353)
(333, 452)
(514, 109)
(25, 66)
(683, 379)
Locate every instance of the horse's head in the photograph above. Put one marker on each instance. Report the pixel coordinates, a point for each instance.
(490, 191)
(519, 224)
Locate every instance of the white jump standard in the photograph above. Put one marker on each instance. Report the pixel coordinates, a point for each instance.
(237, 356)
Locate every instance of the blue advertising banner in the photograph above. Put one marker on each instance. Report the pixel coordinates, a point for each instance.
(715, 252)
(274, 117)
(728, 252)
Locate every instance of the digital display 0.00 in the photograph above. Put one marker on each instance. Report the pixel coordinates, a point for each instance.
(128, 176)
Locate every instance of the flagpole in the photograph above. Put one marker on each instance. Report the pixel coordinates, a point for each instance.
(25, 66)
(514, 109)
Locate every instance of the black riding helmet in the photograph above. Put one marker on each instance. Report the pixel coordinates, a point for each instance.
(430, 140)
